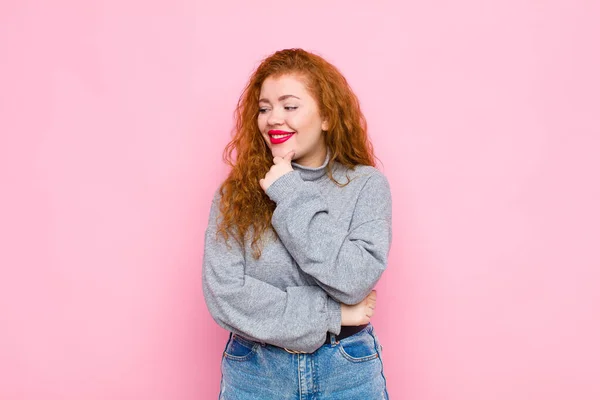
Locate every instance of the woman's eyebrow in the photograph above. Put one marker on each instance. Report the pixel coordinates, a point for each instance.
(281, 98)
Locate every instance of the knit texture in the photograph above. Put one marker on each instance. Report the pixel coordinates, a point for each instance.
(330, 246)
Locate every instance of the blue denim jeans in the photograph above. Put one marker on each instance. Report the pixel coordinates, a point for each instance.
(341, 370)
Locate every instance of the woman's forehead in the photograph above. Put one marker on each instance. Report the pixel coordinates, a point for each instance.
(274, 87)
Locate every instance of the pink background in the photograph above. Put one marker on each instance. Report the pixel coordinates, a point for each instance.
(485, 115)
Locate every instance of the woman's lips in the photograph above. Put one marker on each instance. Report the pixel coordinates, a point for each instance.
(278, 137)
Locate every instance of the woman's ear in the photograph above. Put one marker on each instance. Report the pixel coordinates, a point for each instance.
(325, 126)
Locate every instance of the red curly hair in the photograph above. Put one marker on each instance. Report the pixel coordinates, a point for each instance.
(245, 208)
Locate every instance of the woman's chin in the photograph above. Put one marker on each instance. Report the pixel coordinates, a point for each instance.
(281, 151)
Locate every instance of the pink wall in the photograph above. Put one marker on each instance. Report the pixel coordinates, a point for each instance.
(486, 116)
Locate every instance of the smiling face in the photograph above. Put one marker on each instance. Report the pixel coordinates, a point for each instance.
(289, 119)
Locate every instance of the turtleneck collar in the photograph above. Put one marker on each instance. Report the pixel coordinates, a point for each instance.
(311, 173)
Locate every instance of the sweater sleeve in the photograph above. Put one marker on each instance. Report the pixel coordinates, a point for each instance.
(346, 263)
(297, 318)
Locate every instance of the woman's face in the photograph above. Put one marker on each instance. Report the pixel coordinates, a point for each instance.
(289, 119)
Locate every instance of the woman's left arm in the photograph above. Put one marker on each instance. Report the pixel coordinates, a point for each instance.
(346, 263)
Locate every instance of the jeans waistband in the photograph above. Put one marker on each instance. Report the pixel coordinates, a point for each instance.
(331, 338)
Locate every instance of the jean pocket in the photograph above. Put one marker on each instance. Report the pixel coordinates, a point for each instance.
(360, 347)
(239, 349)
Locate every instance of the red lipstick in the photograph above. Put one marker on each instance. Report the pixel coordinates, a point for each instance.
(278, 137)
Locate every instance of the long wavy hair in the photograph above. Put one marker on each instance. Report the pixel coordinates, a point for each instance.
(244, 206)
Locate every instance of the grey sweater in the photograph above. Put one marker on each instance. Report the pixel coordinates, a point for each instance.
(331, 247)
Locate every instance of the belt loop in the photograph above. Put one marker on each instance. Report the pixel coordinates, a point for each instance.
(332, 339)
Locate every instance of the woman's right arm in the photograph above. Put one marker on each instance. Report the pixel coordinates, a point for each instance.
(297, 318)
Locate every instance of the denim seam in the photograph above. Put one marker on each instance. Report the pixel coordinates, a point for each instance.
(221, 368)
(379, 348)
(246, 343)
(369, 331)
(359, 359)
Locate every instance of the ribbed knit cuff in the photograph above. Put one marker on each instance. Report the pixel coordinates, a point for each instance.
(285, 186)
(334, 316)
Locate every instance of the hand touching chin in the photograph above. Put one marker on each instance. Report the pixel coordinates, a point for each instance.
(281, 151)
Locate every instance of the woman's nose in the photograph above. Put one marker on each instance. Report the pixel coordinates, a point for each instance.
(275, 118)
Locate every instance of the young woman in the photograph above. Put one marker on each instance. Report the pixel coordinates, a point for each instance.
(298, 236)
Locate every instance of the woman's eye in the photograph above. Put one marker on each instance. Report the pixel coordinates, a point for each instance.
(291, 108)
(262, 110)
